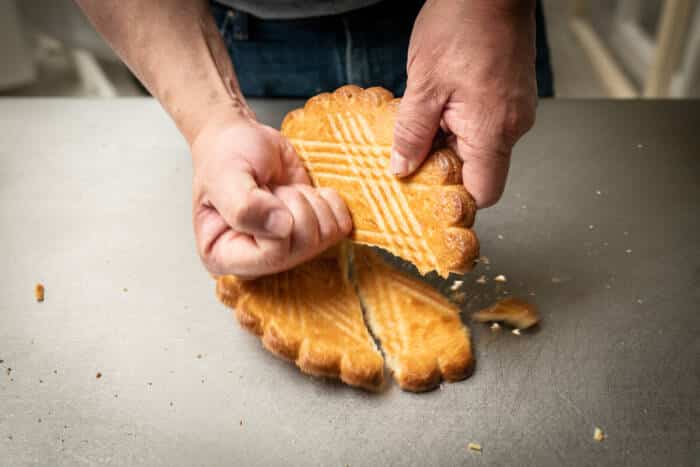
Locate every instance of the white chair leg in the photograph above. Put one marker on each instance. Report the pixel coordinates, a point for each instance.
(673, 28)
(91, 75)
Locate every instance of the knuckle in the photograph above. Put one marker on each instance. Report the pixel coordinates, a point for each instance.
(329, 228)
(518, 118)
(275, 255)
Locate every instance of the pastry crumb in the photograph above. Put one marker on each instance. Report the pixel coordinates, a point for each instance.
(241, 422)
(39, 292)
(591, 227)
(481, 280)
(628, 251)
(476, 447)
(598, 192)
(516, 331)
(456, 285)
(495, 327)
(598, 434)
(500, 278)
(484, 260)
(459, 297)
(98, 375)
(556, 280)
(512, 311)
(500, 237)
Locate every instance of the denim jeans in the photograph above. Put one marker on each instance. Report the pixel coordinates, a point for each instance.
(302, 57)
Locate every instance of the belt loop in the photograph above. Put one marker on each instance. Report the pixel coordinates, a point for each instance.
(239, 21)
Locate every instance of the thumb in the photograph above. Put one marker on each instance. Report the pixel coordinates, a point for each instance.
(249, 209)
(484, 171)
(417, 122)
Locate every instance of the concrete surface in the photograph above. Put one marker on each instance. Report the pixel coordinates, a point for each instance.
(600, 222)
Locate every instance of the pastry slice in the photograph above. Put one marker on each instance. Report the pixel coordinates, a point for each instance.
(309, 315)
(344, 140)
(513, 311)
(420, 332)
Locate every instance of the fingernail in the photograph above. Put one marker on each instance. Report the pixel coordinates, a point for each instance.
(279, 223)
(399, 165)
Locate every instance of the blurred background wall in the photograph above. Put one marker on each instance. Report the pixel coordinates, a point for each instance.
(600, 48)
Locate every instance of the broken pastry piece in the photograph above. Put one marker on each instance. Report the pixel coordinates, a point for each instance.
(420, 331)
(512, 311)
(310, 315)
(344, 140)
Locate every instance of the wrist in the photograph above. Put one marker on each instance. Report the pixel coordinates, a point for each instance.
(221, 115)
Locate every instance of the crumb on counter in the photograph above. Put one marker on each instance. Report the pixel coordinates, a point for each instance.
(98, 375)
(476, 447)
(458, 297)
(456, 285)
(516, 331)
(512, 311)
(39, 292)
(598, 434)
(481, 280)
(484, 260)
(495, 327)
(500, 278)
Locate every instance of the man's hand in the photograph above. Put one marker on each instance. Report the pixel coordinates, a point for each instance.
(255, 211)
(471, 71)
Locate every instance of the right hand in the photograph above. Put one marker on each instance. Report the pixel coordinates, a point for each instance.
(255, 211)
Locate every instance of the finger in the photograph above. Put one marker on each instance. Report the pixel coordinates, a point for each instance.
(248, 208)
(339, 208)
(484, 172)
(416, 123)
(224, 251)
(305, 236)
(243, 256)
(327, 225)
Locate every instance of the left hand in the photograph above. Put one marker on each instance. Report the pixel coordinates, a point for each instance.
(471, 71)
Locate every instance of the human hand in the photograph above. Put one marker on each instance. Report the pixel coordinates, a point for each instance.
(471, 71)
(255, 211)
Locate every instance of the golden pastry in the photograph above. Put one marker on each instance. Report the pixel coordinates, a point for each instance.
(310, 315)
(420, 332)
(344, 140)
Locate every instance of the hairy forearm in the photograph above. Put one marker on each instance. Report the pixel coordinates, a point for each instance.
(174, 48)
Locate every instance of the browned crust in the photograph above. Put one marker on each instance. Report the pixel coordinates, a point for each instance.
(363, 369)
(417, 370)
(447, 208)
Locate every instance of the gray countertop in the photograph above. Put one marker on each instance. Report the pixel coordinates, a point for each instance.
(599, 226)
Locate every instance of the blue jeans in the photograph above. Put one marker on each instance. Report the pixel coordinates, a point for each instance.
(367, 47)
